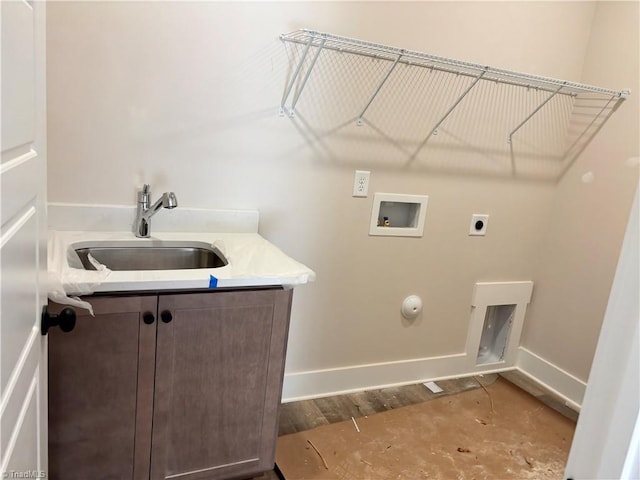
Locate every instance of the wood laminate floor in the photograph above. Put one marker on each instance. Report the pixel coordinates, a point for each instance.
(307, 414)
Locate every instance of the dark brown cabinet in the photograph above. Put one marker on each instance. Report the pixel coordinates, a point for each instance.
(168, 386)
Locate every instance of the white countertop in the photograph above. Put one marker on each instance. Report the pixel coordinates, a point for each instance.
(253, 261)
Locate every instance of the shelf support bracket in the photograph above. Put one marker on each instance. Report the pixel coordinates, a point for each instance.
(434, 130)
(294, 76)
(548, 99)
(304, 80)
(359, 121)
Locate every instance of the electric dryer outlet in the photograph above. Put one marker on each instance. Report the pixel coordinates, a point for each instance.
(479, 224)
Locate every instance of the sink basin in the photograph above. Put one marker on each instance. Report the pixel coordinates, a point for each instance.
(149, 255)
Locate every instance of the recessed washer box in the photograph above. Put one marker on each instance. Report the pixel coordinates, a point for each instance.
(398, 215)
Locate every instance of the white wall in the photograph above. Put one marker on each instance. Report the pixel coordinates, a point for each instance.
(588, 220)
(185, 96)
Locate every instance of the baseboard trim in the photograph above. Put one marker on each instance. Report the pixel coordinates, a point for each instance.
(339, 381)
(551, 377)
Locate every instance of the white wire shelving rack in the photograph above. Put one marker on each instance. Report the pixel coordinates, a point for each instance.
(313, 43)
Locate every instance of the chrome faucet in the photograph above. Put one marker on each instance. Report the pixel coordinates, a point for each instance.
(142, 228)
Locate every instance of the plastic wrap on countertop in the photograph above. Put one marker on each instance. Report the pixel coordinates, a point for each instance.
(252, 256)
(66, 274)
(252, 261)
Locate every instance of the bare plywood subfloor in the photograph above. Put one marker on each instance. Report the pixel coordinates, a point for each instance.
(453, 437)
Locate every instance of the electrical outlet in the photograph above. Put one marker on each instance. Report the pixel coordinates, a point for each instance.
(478, 224)
(361, 183)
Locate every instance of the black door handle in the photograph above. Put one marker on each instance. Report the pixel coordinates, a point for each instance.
(166, 316)
(66, 320)
(148, 318)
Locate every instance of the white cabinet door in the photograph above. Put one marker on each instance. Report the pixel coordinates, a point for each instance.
(23, 368)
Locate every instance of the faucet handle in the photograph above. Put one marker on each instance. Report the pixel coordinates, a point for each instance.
(144, 194)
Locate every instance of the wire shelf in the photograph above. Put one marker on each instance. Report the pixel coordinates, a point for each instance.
(360, 47)
(406, 98)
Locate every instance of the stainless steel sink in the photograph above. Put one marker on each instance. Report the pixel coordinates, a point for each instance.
(150, 255)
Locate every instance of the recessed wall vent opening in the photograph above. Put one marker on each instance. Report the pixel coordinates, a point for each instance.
(495, 333)
(496, 323)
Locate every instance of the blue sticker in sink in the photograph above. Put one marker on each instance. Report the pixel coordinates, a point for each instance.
(213, 281)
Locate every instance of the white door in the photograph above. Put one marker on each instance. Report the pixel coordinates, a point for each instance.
(606, 443)
(23, 367)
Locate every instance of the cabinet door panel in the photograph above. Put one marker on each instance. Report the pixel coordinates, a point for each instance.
(93, 385)
(219, 366)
